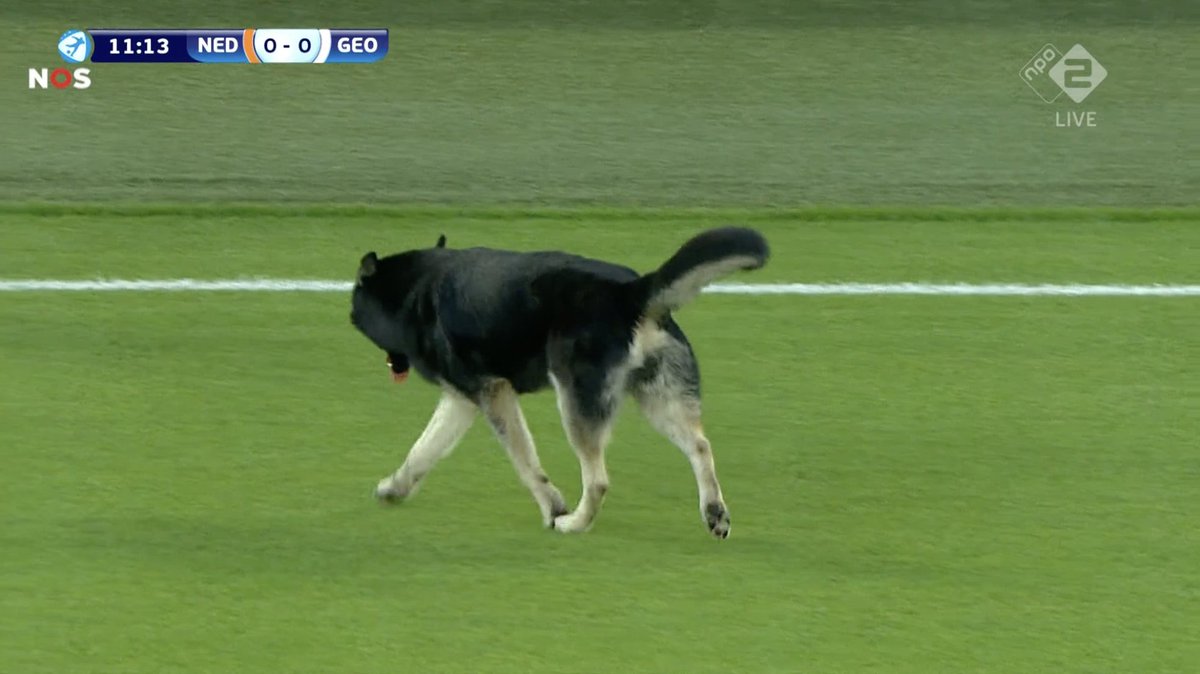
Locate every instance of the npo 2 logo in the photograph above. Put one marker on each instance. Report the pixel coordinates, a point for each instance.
(59, 78)
(1051, 73)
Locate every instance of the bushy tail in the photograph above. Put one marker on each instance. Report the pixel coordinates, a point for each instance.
(699, 262)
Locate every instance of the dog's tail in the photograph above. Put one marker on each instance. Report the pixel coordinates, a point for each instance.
(700, 261)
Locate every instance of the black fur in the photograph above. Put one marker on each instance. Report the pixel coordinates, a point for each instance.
(466, 317)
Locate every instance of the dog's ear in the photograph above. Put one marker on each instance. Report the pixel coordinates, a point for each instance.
(441, 241)
(368, 265)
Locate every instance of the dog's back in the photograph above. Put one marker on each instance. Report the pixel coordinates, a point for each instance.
(498, 310)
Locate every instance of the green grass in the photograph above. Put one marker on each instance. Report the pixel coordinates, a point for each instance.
(816, 245)
(917, 484)
(634, 103)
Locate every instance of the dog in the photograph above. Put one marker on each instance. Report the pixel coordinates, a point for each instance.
(488, 325)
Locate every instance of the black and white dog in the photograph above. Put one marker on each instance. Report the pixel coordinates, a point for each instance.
(488, 325)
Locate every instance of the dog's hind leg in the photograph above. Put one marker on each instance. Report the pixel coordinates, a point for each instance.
(668, 391)
(587, 419)
(451, 420)
(499, 403)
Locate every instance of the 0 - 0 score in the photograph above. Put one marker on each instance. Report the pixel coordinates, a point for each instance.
(304, 45)
(287, 45)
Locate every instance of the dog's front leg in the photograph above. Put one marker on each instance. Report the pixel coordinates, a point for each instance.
(499, 403)
(451, 420)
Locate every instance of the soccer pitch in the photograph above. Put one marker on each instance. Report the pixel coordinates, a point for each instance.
(942, 482)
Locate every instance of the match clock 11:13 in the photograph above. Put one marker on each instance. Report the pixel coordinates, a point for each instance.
(139, 46)
(147, 45)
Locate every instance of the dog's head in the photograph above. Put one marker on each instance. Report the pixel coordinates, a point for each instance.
(380, 287)
(374, 311)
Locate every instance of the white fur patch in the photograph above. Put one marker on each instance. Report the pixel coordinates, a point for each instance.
(648, 337)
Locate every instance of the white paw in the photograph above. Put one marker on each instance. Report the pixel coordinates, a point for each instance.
(552, 507)
(388, 492)
(716, 516)
(572, 523)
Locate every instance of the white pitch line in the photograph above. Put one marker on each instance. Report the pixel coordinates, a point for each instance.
(327, 286)
(176, 285)
(950, 289)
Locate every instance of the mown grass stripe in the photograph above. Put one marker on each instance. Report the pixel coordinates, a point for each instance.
(508, 212)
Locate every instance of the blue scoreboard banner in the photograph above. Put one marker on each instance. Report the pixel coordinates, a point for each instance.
(242, 45)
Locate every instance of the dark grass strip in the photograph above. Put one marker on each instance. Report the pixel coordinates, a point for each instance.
(526, 212)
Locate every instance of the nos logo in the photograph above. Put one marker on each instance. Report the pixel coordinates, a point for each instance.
(59, 78)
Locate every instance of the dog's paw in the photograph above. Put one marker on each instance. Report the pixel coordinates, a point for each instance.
(716, 516)
(388, 493)
(571, 523)
(557, 509)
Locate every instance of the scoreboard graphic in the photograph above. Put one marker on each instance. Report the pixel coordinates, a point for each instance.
(241, 45)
